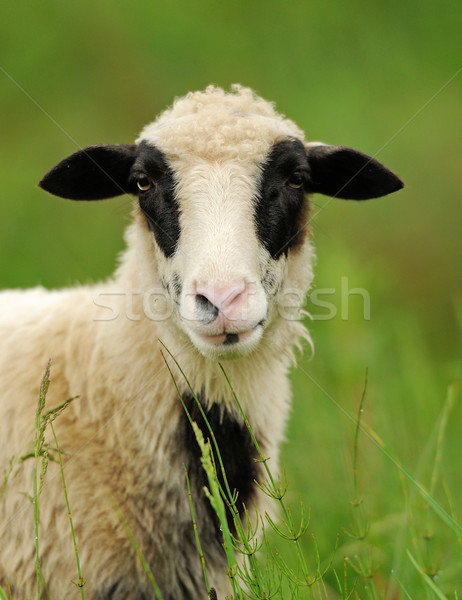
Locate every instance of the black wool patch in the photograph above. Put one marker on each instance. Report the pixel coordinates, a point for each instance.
(281, 211)
(157, 203)
(237, 452)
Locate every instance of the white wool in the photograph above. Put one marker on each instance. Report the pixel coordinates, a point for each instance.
(214, 124)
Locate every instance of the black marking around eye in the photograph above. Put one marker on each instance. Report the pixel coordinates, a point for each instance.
(281, 211)
(158, 204)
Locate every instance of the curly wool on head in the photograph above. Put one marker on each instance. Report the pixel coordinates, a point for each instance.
(217, 125)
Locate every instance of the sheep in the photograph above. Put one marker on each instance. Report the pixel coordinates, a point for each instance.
(217, 263)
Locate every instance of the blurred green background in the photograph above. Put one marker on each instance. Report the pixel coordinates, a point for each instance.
(381, 77)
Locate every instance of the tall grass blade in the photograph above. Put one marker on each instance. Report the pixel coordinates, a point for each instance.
(50, 417)
(3, 595)
(214, 495)
(38, 455)
(196, 533)
(139, 552)
(356, 439)
(437, 508)
(403, 589)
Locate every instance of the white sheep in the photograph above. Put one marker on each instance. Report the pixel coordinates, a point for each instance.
(216, 267)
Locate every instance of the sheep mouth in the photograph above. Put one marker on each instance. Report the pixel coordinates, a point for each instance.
(228, 339)
(229, 343)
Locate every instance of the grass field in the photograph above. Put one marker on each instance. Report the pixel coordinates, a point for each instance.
(384, 78)
(411, 406)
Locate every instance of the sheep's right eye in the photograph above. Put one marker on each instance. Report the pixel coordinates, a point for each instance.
(295, 181)
(144, 184)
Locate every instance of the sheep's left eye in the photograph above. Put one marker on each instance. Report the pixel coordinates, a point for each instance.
(295, 181)
(144, 184)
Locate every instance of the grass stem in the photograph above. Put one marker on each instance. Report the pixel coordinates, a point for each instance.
(80, 581)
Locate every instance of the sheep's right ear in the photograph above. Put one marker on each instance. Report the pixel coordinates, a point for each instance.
(93, 173)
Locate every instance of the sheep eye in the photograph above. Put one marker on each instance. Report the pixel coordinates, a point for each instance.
(144, 184)
(295, 181)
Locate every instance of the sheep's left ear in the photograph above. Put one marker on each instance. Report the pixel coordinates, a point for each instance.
(346, 173)
(93, 173)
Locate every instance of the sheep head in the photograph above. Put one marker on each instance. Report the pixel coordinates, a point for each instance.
(221, 181)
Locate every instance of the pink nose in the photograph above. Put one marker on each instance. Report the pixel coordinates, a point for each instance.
(223, 299)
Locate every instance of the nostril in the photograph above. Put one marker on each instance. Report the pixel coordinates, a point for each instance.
(207, 308)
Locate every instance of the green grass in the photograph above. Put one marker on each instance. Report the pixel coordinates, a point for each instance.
(393, 502)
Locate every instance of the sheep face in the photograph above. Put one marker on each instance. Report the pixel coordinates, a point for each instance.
(223, 252)
(217, 273)
(222, 183)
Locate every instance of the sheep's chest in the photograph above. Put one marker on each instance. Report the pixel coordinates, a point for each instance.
(168, 532)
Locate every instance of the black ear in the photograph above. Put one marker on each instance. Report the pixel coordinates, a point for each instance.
(93, 173)
(346, 173)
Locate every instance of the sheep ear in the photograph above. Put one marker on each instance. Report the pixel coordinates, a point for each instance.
(346, 173)
(93, 173)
